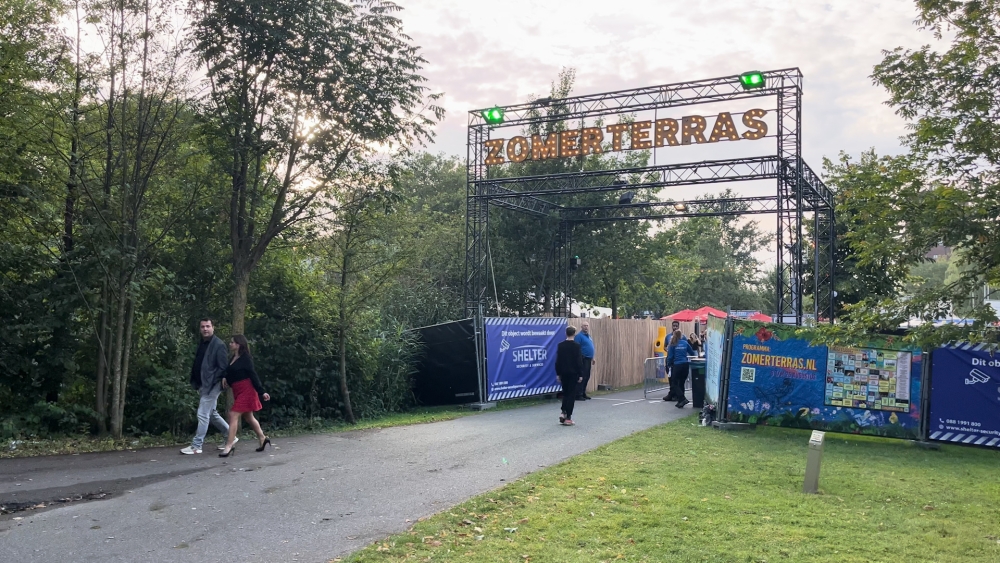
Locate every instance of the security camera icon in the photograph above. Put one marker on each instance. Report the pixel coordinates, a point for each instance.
(976, 376)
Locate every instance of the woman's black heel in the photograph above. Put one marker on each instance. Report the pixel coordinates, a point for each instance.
(231, 452)
(264, 444)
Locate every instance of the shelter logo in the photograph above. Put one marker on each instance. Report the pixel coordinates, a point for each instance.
(529, 353)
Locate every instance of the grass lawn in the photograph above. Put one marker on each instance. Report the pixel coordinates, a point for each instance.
(681, 492)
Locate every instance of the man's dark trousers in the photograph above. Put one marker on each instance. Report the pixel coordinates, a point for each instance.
(581, 388)
(569, 385)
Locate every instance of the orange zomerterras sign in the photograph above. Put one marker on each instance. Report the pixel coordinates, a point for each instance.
(642, 135)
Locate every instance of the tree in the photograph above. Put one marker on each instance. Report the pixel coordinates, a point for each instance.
(871, 260)
(429, 290)
(711, 261)
(146, 119)
(35, 353)
(297, 90)
(365, 251)
(951, 100)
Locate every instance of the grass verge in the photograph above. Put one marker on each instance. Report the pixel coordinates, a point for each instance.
(681, 492)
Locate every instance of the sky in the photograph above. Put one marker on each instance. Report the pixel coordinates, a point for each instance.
(484, 54)
(501, 53)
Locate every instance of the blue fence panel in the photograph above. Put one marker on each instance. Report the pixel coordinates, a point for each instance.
(965, 396)
(777, 378)
(521, 356)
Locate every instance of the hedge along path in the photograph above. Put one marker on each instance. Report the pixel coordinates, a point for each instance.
(622, 345)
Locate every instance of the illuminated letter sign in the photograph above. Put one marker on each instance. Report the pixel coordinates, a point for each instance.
(641, 135)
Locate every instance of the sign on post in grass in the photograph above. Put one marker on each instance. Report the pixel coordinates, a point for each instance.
(965, 396)
(521, 356)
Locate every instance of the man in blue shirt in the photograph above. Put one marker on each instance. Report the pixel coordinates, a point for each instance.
(586, 343)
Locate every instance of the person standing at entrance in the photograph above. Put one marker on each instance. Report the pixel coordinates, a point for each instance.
(674, 327)
(209, 367)
(586, 343)
(569, 370)
(677, 356)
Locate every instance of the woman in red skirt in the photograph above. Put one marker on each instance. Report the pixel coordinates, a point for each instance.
(246, 385)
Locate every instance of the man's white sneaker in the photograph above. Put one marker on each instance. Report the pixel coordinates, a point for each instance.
(222, 446)
(190, 451)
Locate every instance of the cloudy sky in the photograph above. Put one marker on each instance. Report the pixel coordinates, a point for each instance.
(483, 54)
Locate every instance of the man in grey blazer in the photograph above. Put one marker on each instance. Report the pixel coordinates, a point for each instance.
(209, 368)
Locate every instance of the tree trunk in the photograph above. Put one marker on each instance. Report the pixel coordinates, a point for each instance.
(103, 341)
(126, 355)
(116, 361)
(342, 329)
(73, 183)
(241, 286)
(345, 394)
(614, 305)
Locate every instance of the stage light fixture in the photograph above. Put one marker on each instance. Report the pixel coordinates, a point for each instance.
(752, 80)
(625, 198)
(574, 262)
(680, 207)
(493, 116)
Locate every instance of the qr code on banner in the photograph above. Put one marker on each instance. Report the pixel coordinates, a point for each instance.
(747, 374)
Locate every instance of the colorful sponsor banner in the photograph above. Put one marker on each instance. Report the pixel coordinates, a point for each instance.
(715, 345)
(521, 356)
(777, 378)
(965, 396)
(868, 378)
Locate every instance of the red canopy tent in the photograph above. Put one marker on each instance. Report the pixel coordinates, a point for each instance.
(687, 315)
(760, 317)
(704, 312)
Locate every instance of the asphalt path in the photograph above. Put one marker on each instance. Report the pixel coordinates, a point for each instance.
(311, 498)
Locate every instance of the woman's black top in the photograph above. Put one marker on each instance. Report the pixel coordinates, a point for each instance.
(242, 369)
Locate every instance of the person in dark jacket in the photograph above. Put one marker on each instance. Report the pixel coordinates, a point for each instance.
(677, 356)
(674, 326)
(569, 370)
(242, 377)
(206, 376)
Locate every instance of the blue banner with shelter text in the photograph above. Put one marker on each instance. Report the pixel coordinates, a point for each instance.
(521, 356)
(965, 396)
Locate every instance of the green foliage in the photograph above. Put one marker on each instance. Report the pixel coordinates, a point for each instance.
(298, 92)
(711, 262)
(89, 219)
(950, 191)
(429, 289)
(874, 250)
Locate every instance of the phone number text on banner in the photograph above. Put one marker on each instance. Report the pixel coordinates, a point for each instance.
(521, 356)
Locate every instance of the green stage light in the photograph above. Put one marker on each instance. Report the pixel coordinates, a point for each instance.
(493, 116)
(753, 79)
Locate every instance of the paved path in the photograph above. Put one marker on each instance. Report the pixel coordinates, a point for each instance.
(310, 499)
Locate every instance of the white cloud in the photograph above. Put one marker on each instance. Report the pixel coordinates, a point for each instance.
(481, 55)
(485, 54)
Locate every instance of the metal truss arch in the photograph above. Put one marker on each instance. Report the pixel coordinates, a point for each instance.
(802, 203)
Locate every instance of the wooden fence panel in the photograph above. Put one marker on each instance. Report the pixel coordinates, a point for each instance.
(620, 348)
